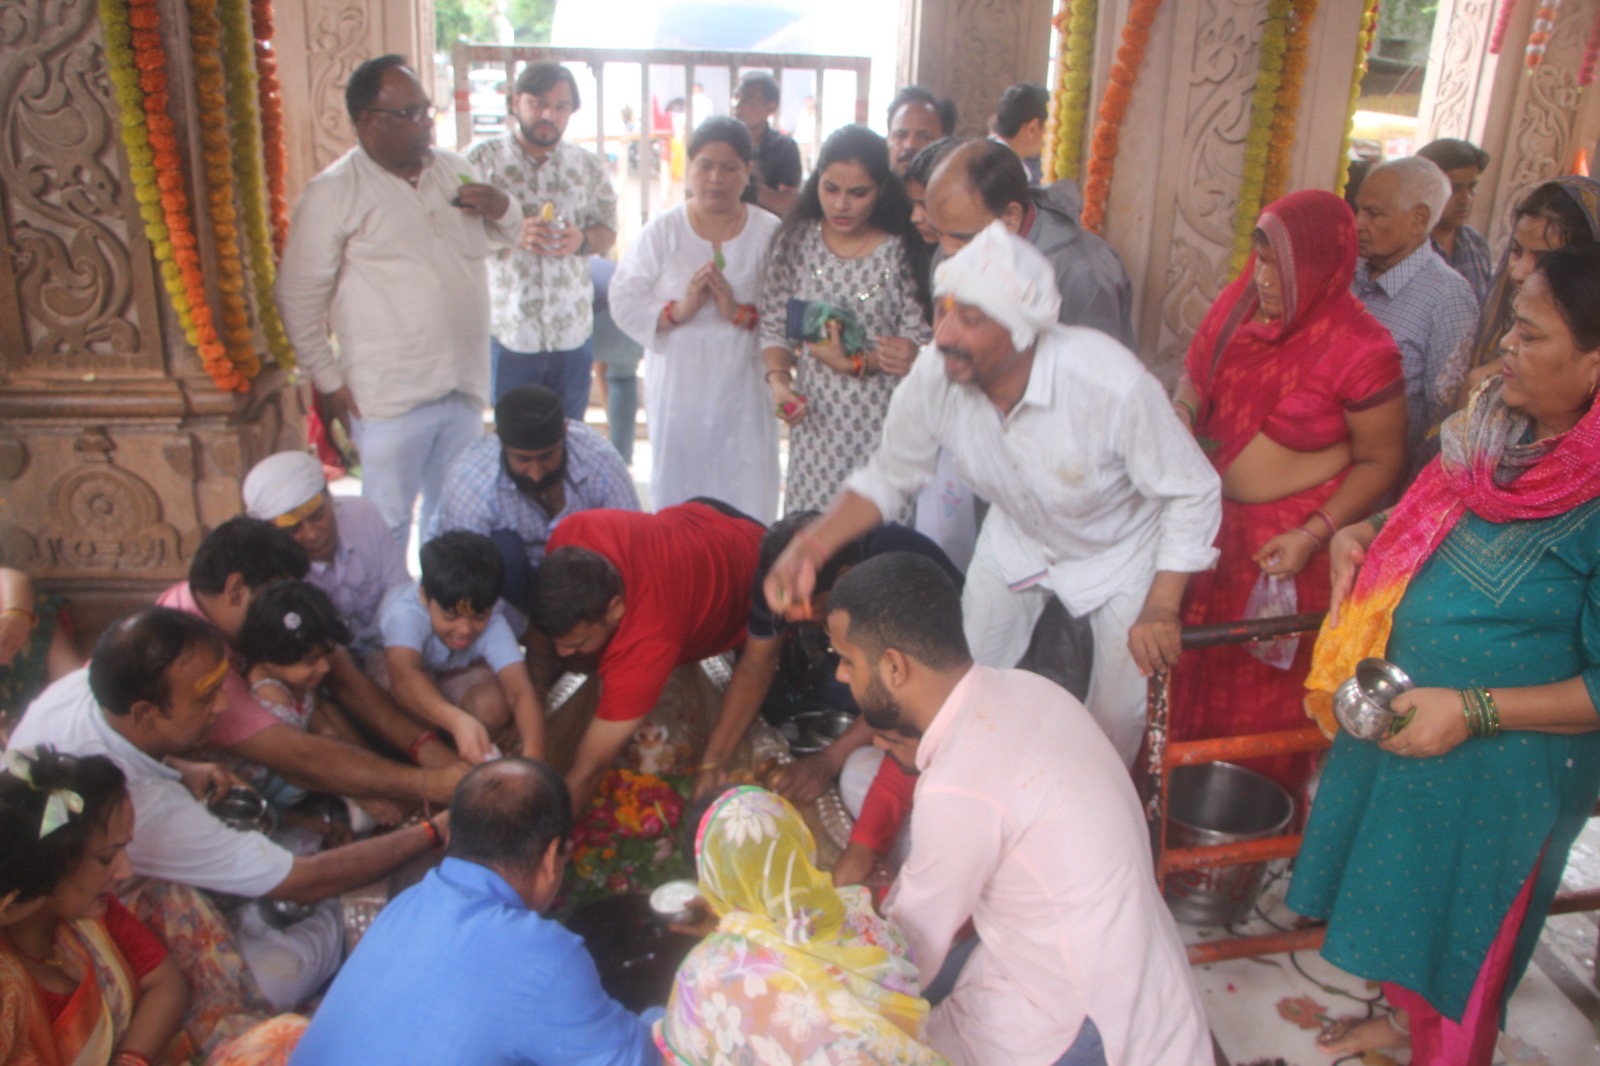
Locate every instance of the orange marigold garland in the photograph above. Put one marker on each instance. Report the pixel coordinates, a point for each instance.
(1369, 29)
(1287, 107)
(1544, 23)
(245, 122)
(1114, 108)
(137, 67)
(272, 140)
(216, 151)
(1257, 143)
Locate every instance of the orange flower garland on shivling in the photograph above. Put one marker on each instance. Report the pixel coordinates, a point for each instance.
(1114, 108)
(205, 37)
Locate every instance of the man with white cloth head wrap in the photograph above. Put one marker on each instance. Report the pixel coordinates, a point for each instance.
(1100, 497)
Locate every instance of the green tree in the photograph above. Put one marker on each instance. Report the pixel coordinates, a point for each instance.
(472, 19)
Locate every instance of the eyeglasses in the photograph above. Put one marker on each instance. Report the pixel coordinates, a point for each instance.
(414, 113)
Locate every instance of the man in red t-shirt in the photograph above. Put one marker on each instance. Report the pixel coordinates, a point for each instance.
(645, 593)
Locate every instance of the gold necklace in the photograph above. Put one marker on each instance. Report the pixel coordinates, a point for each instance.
(53, 962)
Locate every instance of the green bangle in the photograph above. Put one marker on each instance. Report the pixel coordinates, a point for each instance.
(1377, 521)
(1194, 416)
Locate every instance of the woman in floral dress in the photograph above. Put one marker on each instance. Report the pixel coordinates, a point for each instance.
(847, 243)
(796, 970)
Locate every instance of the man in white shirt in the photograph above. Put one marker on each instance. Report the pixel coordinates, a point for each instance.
(389, 251)
(151, 692)
(543, 321)
(1101, 498)
(1023, 821)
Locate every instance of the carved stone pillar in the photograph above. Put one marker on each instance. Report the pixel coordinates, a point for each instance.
(1531, 124)
(1181, 155)
(116, 450)
(970, 50)
(319, 43)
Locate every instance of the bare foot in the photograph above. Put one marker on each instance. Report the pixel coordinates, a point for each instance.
(1351, 1036)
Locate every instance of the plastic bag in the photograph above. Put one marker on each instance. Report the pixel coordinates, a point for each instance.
(1273, 597)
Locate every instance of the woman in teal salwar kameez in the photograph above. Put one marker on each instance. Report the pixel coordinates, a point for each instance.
(1435, 854)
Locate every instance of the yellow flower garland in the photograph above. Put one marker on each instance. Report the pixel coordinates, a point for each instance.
(1286, 108)
(1369, 27)
(1269, 78)
(150, 185)
(1069, 105)
(238, 44)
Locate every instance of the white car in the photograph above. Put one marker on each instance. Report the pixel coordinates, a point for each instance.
(489, 99)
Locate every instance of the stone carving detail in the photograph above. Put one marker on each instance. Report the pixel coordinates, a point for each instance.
(1539, 140)
(104, 518)
(1461, 65)
(338, 43)
(981, 56)
(73, 290)
(13, 459)
(1221, 75)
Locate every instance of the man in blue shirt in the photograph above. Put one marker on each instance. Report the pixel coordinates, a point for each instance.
(463, 968)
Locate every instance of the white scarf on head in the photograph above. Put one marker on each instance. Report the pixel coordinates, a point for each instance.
(1007, 279)
(280, 483)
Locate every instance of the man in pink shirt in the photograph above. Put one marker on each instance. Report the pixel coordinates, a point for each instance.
(239, 557)
(1026, 822)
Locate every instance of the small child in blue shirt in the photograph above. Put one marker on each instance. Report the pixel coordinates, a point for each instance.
(450, 655)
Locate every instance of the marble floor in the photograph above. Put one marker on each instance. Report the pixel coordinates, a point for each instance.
(1268, 1011)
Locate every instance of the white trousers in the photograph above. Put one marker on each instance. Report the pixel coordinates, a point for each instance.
(999, 624)
(291, 964)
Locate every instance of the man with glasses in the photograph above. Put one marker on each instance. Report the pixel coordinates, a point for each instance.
(543, 322)
(389, 251)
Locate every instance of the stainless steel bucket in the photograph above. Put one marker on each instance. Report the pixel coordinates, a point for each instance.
(1220, 803)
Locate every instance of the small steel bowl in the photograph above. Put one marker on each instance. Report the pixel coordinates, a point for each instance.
(1361, 704)
(810, 731)
(244, 809)
(670, 901)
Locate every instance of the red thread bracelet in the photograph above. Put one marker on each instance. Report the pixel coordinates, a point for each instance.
(421, 742)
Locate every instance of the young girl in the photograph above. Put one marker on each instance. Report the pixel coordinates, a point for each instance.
(290, 630)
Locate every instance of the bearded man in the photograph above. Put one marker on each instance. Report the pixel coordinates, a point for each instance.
(543, 319)
(517, 483)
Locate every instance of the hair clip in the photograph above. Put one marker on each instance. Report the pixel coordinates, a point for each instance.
(291, 621)
(60, 803)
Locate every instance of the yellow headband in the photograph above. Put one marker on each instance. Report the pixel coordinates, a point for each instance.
(213, 678)
(299, 514)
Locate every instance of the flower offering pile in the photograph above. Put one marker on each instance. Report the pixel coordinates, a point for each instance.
(626, 839)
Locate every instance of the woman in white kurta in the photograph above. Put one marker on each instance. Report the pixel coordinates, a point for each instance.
(688, 290)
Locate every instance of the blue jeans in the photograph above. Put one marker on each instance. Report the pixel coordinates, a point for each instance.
(412, 453)
(564, 373)
(1086, 1050)
(621, 354)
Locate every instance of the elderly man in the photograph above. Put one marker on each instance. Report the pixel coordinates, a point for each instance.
(152, 690)
(464, 967)
(644, 593)
(1425, 304)
(775, 172)
(1078, 960)
(389, 249)
(232, 563)
(1019, 124)
(981, 181)
(515, 485)
(1099, 495)
(353, 557)
(1456, 242)
(543, 320)
(917, 118)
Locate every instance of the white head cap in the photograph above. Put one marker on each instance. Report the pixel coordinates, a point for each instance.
(281, 485)
(1007, 279)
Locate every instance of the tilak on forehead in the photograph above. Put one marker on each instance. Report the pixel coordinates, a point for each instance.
(290, 519)
(213, 678)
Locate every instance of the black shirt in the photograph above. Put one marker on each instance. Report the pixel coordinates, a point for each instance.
(776, 165)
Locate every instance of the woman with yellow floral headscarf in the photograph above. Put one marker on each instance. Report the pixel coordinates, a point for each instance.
(795, 967)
